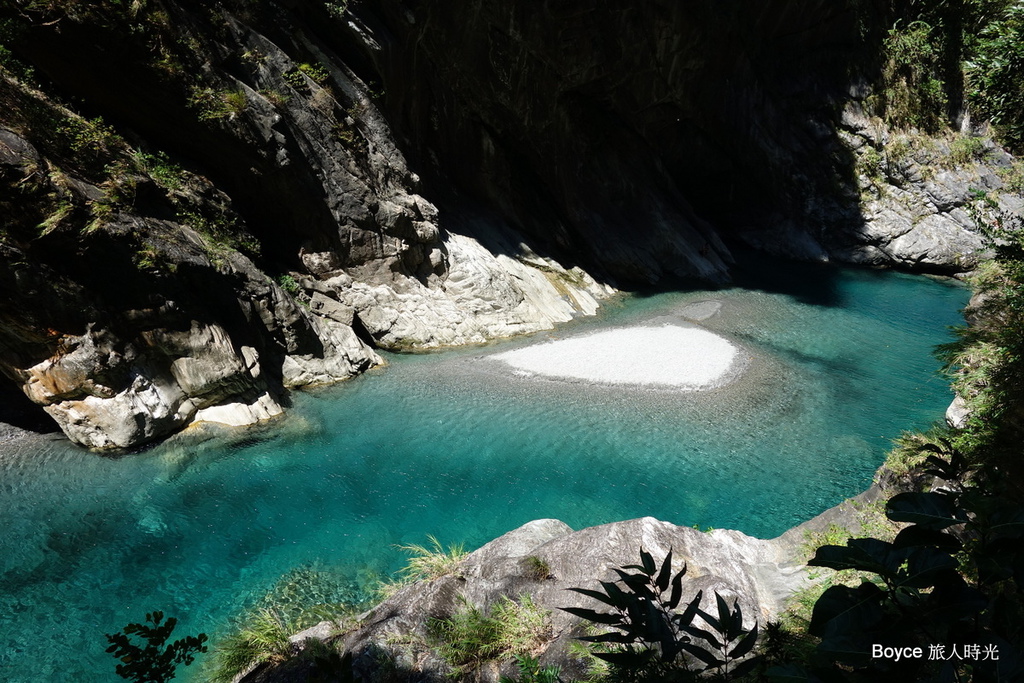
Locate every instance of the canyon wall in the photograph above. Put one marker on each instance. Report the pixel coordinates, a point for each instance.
(207, 205)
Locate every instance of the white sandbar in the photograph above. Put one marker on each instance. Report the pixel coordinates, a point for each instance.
(665, 356)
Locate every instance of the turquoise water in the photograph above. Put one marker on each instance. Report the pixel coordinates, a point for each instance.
(452, 444)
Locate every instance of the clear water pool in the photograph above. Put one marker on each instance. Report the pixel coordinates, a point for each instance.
(452, 444)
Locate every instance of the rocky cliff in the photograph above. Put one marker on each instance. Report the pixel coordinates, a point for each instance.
(276, 241)
(242, 197)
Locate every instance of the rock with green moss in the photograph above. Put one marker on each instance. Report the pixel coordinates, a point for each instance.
(473, 618)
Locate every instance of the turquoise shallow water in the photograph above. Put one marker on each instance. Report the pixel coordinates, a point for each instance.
(453, 445)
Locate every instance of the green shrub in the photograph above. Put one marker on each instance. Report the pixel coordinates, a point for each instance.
(296, 77)
(160, 168)
(61, 211)
(870, 163)
(471, 636)
(275, 97)
(927, 587)
(220, 230)
(212, 105)
(423, 564)
(909, 452)
(1013, 177)
(966, 149)
(912, 92)
(337, 9)
(995, 74)
(289, 284)
(301, 598)
(432, 562)
(530, 671)
(316, 72)
(260, 637)
(89, 136)
(831, 535)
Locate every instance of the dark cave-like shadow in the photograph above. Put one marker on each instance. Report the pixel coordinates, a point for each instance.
(18, 411)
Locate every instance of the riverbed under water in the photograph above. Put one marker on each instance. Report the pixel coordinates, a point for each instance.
(838, 363)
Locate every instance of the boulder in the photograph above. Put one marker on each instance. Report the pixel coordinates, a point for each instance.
(957, 413)
(759, 574)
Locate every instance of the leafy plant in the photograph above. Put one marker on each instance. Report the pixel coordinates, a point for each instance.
(995, 74)
(316, 72)
(966, 148)
(530, 671)
(913, 93)
(655, 641)
(289, 284)
(947, 578)
(296, 77)
(472, 636)
(337, 9)
(1013, 177)
(149, 258)
(217, 104)
(986, 363)
(160, 168)
(155, 662)
(424, 563)
(275, 97)
(220, 229)
(299, 599)
(62, 210)
(870, 163)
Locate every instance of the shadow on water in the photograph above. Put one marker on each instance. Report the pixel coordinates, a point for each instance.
(18, 411)
(814, 284)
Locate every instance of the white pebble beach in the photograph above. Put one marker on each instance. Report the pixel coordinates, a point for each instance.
(666, 356)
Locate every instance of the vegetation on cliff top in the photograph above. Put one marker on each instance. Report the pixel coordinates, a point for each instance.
(941, 60)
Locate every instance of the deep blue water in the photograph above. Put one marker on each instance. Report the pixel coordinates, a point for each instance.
(451, 444)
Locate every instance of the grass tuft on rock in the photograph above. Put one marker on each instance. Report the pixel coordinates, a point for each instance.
(473, 636)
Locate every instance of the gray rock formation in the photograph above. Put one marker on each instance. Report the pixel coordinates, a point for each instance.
(957, 413)
(136, 306)
(924, 200)
(393, 636)
(155, 361)
(143, 324)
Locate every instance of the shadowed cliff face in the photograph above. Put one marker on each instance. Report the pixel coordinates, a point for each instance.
(275, 187)
(611, 131)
